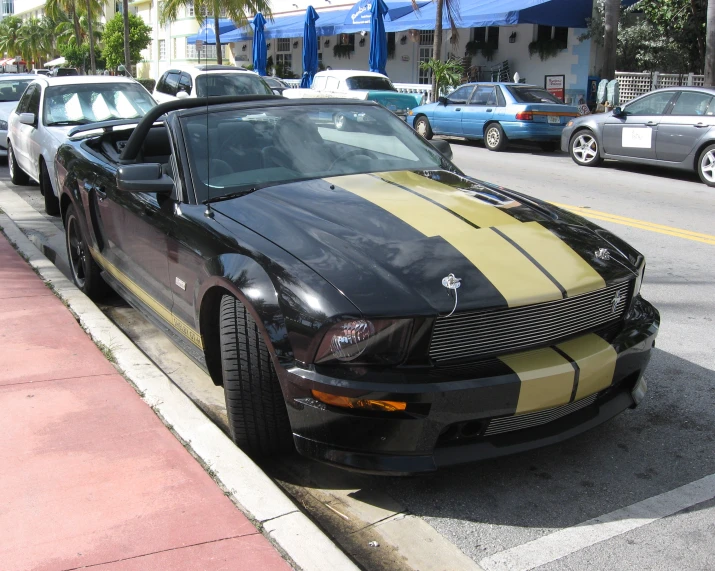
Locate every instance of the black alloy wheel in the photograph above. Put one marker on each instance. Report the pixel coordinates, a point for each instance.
(257, 414)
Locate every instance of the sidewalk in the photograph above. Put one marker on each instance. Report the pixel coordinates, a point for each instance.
(89, 476)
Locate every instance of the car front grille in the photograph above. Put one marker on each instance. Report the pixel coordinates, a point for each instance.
(531, 419)
(480, 334)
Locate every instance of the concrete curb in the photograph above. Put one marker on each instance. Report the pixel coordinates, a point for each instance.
(254, 492)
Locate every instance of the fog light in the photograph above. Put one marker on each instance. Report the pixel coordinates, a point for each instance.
(569, 124)
(364, 404)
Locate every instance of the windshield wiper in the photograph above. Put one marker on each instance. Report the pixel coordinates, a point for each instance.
(64, 123)
(230, 196)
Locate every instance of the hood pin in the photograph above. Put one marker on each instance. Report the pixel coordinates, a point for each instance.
(453, 283)
(603, 254)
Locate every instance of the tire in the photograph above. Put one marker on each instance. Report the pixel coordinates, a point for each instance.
(494, 137)
(584, 149)
(17, 175)
(423, 127)
(341, 122)
(52, 203)
(257, 414)
(706, 165)
(86, 274)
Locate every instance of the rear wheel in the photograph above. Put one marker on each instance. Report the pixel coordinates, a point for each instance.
(17, 175)
(495, 138)
(52, 203)
(706, 165)
(85, 271)
(584, 149)
(257, 414)
(341, 122)
(423, 127)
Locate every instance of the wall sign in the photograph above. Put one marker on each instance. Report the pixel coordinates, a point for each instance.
(556, 85)
(405, 58)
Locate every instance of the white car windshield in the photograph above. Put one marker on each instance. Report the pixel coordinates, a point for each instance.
(244, 83)
(238, 151)
(370, 82)
(12, 89)
(89, 103)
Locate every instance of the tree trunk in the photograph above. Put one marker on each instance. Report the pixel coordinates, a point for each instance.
(77, 32)
(127, 53)
(92, 65)
(437, 45)
(610, 38)
(710, 45)
(219, 58)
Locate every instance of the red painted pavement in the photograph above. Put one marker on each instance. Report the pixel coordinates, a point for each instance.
(88, 474)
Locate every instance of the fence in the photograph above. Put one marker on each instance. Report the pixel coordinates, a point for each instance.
(631, 85)
(418, 88)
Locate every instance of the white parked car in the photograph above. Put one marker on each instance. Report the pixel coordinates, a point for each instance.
(50, 108)
(352, 84)
(11, 89)
(211, 80)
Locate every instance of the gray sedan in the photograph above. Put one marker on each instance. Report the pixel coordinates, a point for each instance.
(672, 127)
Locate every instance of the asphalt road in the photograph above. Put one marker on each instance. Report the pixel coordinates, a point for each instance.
(645, 456)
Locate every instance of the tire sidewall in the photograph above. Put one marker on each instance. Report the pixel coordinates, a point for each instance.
(700, 163)
(52, 203)
(593, 162)
(428, 128)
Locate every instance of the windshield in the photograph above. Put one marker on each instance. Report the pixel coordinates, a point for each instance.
(238, 151)
(530, 94)
(244, 83)
(369, 82)
(12, 90)
(89, 103)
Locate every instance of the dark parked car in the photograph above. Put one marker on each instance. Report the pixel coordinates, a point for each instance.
(672, 127)
(278, 86)
(355, 293)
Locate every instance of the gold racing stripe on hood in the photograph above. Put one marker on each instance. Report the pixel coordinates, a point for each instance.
(596, 362)
(518, 279)
(547, 379)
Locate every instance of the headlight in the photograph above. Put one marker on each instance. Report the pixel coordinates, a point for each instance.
(3, 125)
(569, 124)
(639, 280)
(362, 341)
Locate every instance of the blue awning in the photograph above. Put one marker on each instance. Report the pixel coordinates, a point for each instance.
(291, 26)
(358, 18)
(208, 34)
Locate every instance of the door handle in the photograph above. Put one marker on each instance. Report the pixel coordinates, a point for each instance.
(701, 125)
(458, 109)
(490, 110)
(651, 123)
(101, 195)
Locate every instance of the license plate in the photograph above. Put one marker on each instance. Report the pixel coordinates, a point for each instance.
(554, 120)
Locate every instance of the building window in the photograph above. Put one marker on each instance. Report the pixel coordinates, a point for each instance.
(493, 37)
(174, 49)
(149, 50)
(285, 61)
(190, 11)
(162, 49)
(561, 37)
(347, 40)
(207, 52)
(426, 37)
(283, 45)
(8, 7)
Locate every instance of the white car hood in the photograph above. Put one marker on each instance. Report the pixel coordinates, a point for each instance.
(59, 133)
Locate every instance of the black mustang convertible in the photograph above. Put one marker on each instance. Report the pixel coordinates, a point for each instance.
(357, 296)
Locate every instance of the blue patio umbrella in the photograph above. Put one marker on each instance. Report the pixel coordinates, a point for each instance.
(310, 48)
(378, 37)
(259, 44)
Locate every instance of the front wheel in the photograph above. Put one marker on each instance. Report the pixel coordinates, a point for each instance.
(584, 149)
(85, 271)
(17, 175)
(423, 127)
(341, 122)
(52, 203)
(257, 414)
(495, 138)
(706, 165)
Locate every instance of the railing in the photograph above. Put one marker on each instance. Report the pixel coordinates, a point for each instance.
(632, 85)
(419, 88)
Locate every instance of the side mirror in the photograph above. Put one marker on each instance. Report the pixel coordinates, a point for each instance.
(618, 112)
(277, 91)
(27, 119)
(443, 100)
(443, 147)
(147, 177)
(182, 95)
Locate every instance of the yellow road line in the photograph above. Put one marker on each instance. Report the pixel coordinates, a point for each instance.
(641, 224)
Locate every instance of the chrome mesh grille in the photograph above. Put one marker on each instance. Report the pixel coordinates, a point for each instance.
(501, 331)
(530, 419)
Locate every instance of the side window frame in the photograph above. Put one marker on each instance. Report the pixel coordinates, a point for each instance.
(674, 102)
(24, 100)
(666, 110)
(161, 84)
(493, 90)
(467, 99)
(185, 81)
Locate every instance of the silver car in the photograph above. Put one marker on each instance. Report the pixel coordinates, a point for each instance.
(672, 127)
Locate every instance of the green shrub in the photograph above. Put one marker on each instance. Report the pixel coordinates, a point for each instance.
(148, 84)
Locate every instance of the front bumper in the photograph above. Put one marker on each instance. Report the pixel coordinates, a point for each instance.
(449, 413)
(566, 139)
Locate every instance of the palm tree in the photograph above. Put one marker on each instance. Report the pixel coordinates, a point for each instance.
(32, 41)
(90, 16)
(452, 8)
(10, 27)
(68, 10)
(237, 10)
(710, 44)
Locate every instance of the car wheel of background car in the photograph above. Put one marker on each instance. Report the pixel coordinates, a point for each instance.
(342, 123)
(584, 149)
(17, 175)
(257, 415)
(85, 271)
(423, 127)
(494, 138)
(706, 165)
(52, 203)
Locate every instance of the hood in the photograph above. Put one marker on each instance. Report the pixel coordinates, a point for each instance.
(59, 133)
(394, 100)
(387, 240)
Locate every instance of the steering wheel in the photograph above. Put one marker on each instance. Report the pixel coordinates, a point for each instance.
(352, 153)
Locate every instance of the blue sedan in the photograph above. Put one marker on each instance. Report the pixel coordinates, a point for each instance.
(497, 113)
